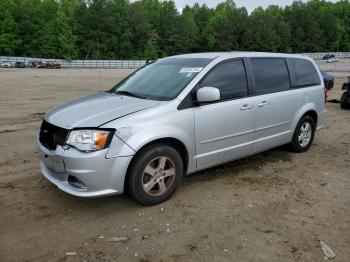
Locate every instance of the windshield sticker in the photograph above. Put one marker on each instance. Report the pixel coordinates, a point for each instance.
(188, 70)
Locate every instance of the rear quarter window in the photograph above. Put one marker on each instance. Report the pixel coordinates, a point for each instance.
(305, 73)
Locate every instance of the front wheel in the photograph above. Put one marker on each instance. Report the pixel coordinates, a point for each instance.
(155, 173)
(303, 135)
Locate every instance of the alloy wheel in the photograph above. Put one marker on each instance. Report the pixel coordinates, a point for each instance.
(305, 134)
(158, 176)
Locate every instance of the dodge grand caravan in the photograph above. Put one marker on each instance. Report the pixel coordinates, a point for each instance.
(179, 115)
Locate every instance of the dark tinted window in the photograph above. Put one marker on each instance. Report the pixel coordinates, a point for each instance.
(305, 73)
(230, 78)
(270, 74)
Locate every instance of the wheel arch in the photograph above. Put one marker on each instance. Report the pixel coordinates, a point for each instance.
(308, 109)
(175, 143)
(313, 114)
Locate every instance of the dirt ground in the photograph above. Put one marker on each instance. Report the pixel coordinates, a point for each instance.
(275, 206)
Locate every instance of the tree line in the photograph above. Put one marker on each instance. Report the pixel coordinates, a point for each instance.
(148, 29)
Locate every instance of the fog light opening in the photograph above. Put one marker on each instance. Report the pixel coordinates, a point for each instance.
(75, 182)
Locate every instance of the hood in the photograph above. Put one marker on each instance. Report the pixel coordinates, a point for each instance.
(96, 110)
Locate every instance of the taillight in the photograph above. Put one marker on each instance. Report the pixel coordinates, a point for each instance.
(325, 95)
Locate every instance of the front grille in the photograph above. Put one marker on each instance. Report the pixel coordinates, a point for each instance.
(50, 136)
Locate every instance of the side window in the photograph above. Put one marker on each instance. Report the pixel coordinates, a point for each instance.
(230, 78)
(270, 74)
(305, 73)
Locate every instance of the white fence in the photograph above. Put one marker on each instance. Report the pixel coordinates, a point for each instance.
(121, 64)
(124, 64)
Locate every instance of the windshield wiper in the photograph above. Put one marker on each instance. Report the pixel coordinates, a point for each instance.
(128, 93)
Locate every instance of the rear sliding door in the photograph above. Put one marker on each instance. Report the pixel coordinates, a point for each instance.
(276, 104)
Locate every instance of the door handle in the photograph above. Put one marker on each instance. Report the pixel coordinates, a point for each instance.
(263, 104)
(246, 107)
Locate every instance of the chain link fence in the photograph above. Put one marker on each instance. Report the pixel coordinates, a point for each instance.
(319, 56)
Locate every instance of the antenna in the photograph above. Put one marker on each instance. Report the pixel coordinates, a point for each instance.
(97, 58)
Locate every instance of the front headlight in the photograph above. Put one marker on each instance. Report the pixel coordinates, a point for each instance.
(89, 140)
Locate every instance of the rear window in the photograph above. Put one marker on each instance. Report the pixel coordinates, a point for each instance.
(305, 73)
(270, 74)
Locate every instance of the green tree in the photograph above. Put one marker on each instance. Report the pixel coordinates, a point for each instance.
(94, 34)
(140, 29)
(168, 28)
(26, 14)
(267, 31)
(8, 29)
(48, 44)
(189, 30)
(202, 15)
(124, 29)
(151, 51)
(118, 39)
(66, 22)
(225, 26)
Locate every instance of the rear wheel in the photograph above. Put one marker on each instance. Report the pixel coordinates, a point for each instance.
(155, 173)
(303, 135)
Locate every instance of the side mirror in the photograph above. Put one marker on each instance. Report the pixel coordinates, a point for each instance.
(208, 94)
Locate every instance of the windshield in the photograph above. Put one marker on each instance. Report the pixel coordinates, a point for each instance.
(161, 80)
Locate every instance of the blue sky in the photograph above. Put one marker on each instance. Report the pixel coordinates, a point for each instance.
(249, 4)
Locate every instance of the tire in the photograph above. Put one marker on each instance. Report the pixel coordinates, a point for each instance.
(155, 174)
(303, 144)
(345, 101)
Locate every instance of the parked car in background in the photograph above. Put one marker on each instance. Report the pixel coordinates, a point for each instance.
(36, 64)
(28, 64)
(50, 65)
(177, 116)
(20, 65)
(328, 56)
(328, 80)
(40, 65)
(332, 60)
(6, 64)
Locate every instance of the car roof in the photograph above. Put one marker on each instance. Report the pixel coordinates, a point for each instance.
(213, 55)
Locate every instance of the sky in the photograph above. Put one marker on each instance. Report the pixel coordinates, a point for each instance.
(250, 5)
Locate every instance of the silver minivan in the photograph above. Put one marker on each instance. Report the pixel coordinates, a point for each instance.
(179, 115)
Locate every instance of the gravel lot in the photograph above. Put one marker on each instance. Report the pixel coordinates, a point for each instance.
(343, 65)
(274, 206)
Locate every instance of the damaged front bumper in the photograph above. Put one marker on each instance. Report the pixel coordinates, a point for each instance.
(84, 174)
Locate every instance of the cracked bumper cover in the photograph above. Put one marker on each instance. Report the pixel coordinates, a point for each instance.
(101, 176)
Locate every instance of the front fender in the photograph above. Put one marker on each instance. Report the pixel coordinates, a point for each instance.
(166, 121)
(148, 135)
